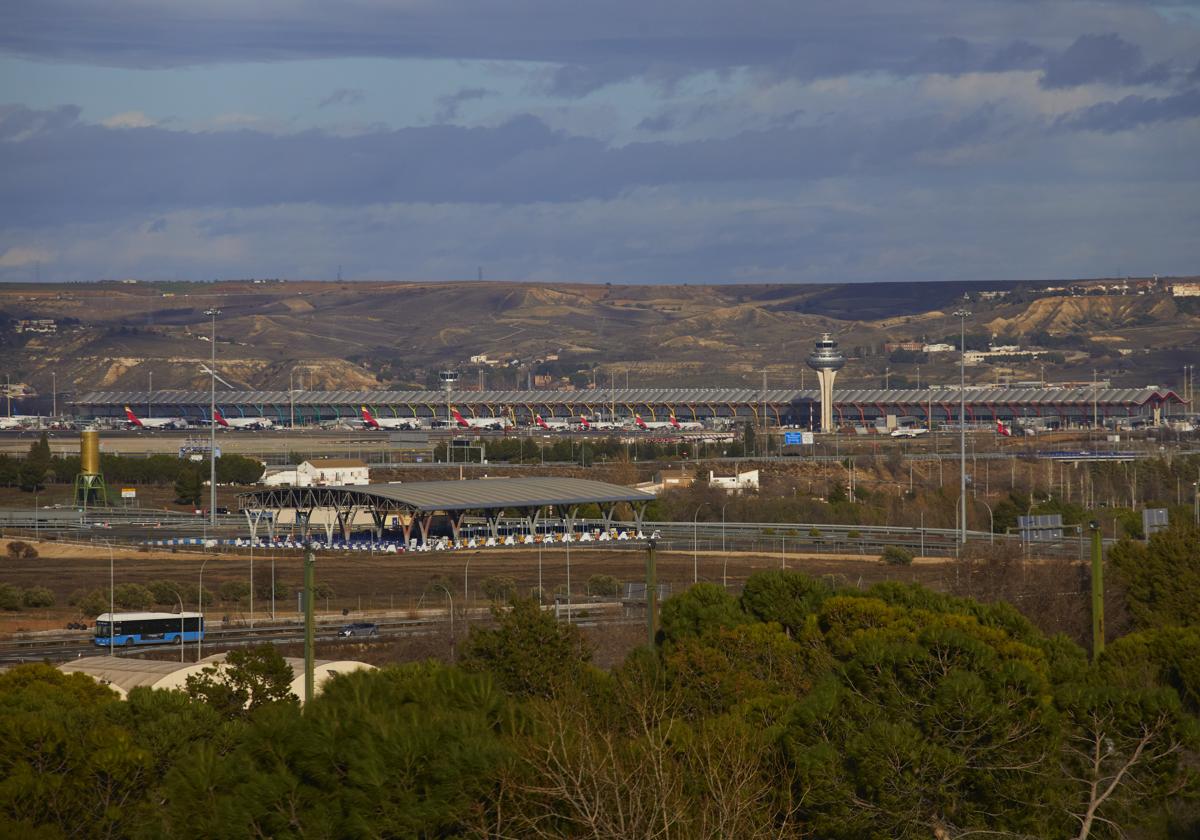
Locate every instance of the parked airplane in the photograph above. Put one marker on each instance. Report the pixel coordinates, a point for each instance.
(552, 425)
(909, 431)
(20, 421)
(671, 423)
(242, 422)
(373, 422)
(587, 425)
(154, 422)
(479, 422)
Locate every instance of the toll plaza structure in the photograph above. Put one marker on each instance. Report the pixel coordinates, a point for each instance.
(412, 507)
(799, 408)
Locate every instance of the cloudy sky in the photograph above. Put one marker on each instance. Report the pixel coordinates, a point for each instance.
(624, 141)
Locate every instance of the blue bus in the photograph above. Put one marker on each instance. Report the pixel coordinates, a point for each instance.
(148, 628)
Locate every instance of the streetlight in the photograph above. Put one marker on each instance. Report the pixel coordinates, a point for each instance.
(200, 609)
(182, 629)
(212, 422)
(651, 588)
(991, 521)
(449, 598)
(53, 394)
(723, 524)
(962, 315)
(112, 602)
(695, 542)
(252, 584)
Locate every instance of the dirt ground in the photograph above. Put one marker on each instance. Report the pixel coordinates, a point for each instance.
(364, 583)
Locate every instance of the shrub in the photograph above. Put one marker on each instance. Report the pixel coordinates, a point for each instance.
(19, 550)
(133, 596)
(10, 597)
(606, 586)
(814, 531)
(895, 555)
(498, 588)
(234, 591)
(37, 596)
(853, 535)
(93, 603)
(167, 592)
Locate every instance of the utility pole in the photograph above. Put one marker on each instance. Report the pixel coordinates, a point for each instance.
(962, 314)
(766, 442)
(212, 424)
(1097, 591)
(310, 562)
(651, 592)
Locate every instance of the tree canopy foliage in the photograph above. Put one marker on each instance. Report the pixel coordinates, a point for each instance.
(798, 708)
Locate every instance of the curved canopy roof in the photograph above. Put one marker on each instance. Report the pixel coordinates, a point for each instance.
(431, 496)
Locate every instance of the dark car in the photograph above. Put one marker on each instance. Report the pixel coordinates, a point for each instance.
(359, 628)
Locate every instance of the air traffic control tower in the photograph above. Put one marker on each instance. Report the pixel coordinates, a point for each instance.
(826, 360)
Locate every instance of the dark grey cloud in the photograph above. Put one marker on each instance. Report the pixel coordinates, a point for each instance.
(343, 96)
(157, 226)
(952, 56)
(1134, 112)
(1019, 55)
(78, 171)
(449, 104)
(1102, 58)
(593, 45)
(20, 123)
(659, 122)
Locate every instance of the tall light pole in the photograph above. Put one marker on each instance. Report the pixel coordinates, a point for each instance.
(962, 315)
(112, 602)
(53, 394)
(212, 423)
(723, 524)
(149, 391)
(651, 589)
(695, 541)
(200, 609)
(182, 629)
(450, 599)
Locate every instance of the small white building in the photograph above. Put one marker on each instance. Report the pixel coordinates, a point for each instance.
(320, 472)
(939, 348)
(736, 483)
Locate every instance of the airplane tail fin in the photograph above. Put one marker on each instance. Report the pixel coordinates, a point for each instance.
(369, 418)
(219, 417)
(583, 421)
(637, 418)
(1003, 430)
(458, 418)
(132, 417)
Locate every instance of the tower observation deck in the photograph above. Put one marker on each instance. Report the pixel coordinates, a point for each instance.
(826, 360)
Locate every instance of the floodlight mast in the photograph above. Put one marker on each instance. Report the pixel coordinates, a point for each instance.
(962, 315)
(212, 424)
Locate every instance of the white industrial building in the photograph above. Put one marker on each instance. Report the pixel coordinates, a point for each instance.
(320, 472)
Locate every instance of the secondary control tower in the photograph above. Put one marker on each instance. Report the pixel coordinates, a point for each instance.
(826, 360)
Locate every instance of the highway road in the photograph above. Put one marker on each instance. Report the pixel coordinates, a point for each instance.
(72, 644)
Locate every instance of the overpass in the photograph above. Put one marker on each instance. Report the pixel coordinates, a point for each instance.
(777, 407)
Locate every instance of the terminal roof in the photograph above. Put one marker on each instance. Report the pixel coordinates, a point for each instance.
(636, 396)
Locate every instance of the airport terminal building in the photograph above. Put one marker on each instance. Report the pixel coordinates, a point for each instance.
(778, 407)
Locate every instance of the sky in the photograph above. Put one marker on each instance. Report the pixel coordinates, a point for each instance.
(618, 141)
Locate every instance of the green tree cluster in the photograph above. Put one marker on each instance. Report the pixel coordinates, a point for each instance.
(796, 709)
